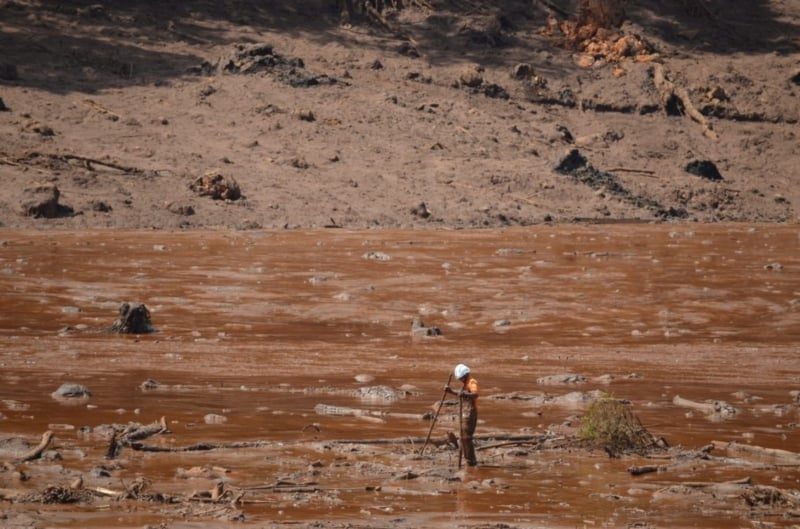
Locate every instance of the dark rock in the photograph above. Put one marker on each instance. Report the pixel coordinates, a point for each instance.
(495, 91)
(704, 169)
(421, 211)
(522, 71)
(100, 206)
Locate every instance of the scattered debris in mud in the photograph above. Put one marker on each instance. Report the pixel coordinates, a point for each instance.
(255, 58)
(499, 76)
(383, 464)
(216, 185)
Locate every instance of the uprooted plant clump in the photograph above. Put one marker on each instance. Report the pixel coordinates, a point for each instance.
(610, 424)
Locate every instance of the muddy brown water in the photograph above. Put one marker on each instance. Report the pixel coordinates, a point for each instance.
(261, 327)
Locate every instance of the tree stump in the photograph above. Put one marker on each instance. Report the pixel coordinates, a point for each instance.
(134, 318)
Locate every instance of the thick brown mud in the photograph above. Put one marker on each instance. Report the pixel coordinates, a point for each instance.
(254, 330)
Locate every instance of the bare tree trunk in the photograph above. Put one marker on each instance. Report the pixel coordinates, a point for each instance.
(601, 13)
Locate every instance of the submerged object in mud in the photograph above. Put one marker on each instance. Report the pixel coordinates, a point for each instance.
(418, 328)
(134, 318)
(70, 390)
(716, 407)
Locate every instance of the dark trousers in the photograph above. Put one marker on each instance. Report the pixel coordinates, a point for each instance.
(467, 431)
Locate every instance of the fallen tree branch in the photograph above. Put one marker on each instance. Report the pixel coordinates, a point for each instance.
(101, 109)
(536, 442)
(281, 484)
(646, 469)
(200, 447)
(704, 484)
(134, 432)
(669, 91)
(36, 452)
(88, 162)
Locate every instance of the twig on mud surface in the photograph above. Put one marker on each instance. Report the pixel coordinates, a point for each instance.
(625, 170)
(201, 447)
(534, 442)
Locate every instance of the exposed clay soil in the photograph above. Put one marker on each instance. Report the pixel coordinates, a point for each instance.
(458, 114)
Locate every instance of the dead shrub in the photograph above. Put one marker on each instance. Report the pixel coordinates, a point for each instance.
(610, 424)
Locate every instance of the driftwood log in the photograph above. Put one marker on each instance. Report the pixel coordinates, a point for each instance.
(781, 457)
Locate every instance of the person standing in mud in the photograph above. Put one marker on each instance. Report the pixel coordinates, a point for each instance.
(469, 397)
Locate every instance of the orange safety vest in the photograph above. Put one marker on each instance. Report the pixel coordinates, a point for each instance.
(472, 387)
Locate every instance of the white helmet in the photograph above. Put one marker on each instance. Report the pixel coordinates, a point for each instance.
(460, 371)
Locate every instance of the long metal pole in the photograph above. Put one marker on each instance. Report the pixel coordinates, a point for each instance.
(436, 415)
(460, 430)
